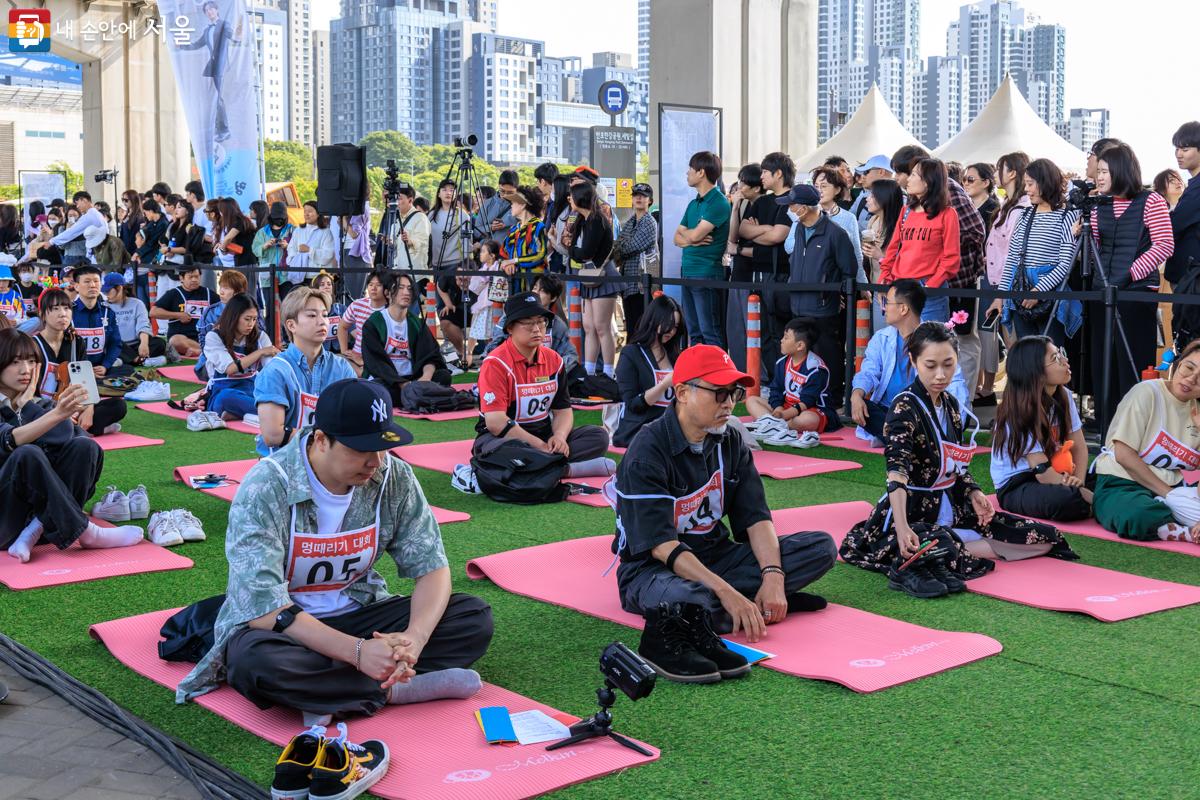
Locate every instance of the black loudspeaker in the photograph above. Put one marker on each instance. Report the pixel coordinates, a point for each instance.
(341, 179)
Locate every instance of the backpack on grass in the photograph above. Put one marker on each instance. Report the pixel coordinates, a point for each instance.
(516, 473)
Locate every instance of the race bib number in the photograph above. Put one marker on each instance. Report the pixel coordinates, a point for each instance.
(401, 356)
(700, 511)
(330, 563)
(956, 458)
(533, 400)
(50, 382)
(195, 308)
(665, 400)
(792, 386)
(1167, 452)
(333, 328)
(93, 340)
(308, 407)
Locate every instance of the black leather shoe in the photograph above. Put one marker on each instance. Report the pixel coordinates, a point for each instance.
(709, 645)
(668, 647)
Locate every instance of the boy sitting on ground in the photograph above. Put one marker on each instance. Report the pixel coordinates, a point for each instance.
(798, 407)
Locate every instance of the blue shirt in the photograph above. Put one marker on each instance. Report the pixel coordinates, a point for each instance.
(902, 375)
(287, 375)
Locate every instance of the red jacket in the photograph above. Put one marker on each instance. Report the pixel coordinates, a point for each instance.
(923, 248)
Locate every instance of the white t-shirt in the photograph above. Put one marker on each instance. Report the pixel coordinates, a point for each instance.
(331, 512)
(1003, 469)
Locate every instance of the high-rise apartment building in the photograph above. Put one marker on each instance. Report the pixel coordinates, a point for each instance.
(270, 35)
(1083, 126)
(322, 132)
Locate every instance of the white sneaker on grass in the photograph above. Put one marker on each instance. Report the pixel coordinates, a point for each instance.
(163, 530)
(204, 421)
(155, 361)
(808, 439)
(113, 507)
(149, 391)
(188, 526)
(139, 503)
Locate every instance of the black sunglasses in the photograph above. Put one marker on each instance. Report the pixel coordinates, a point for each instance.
(724, 394)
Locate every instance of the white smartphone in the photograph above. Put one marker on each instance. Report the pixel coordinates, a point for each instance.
(80, 373)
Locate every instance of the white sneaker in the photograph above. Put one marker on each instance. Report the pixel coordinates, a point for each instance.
(112, 428)
(454, 370)
(188, 526)
(762, 422)
(464, 479)
(139, 503)
(163, 530)
(150, 391)
(766, 430)
(204, 421)
(251, 419)
(808, 439)
(783, 438)
(155, 361)
(113, 507)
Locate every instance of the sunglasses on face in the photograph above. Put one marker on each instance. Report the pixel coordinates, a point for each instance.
(724, 394)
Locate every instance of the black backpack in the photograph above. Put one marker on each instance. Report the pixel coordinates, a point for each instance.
(599, 385)
(427, 397)
(516, 473)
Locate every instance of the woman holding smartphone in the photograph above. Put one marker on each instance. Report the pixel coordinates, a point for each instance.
(48, 466)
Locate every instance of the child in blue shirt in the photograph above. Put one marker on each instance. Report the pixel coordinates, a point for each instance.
(798, 407)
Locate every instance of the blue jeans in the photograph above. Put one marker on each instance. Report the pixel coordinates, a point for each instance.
(702, 314)
(937, 309)
(233, 397)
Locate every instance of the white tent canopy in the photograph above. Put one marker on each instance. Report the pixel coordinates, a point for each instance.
(871, 131)
(1007, 124)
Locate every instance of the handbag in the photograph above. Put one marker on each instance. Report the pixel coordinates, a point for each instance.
(1022, 283)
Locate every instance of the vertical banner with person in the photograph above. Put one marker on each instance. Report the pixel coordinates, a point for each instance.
(217, 75)
(682, 132)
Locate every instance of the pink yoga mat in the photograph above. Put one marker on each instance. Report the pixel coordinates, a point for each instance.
(782, 466)
(445, 456)
(1089, 527)
(53, 567)
(1048, 583)
(183, 373)
(236, 470)
(123, 441)
(165, 410)
(861, 651)
(845, 439)
(438, 751)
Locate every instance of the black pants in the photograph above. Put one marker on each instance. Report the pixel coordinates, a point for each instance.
(831, 347)
(585, 442)
(440, 377)
(51, 485)
(129, 350)
(106, 412)
(271, 669)
(805, 557)
(876, 415)
(1025, 496)
(1140, 322)
(634, 305)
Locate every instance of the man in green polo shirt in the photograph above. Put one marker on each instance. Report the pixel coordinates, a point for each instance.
(702, 234)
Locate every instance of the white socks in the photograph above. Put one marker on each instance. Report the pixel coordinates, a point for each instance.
(22, 546)
(441, 685)
(1170, 532)
(599, 467)
(94, 537)
(610, 370)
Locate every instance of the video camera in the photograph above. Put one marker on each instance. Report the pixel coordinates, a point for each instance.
(466, 142)
(627, 671)
(391, 180)
(106, 176)
(1080, 198)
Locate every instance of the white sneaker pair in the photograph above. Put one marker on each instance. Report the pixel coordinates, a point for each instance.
(464, 479)
(116, 506)
(169, 528)
(766, 426)
(149, 391)
(205, 421)
(791, 438)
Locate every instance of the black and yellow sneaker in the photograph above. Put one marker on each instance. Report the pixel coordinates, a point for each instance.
(293, 770)
(345, 769)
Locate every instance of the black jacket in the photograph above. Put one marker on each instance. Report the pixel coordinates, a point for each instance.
(635, 375)
(826, 257)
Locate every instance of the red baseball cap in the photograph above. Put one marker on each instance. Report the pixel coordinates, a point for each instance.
(710, 363)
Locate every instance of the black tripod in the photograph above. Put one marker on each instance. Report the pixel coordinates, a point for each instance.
(599, 724)
(391, 226)
(466, 184)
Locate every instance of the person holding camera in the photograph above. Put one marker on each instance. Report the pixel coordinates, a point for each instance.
(1133, 237)
(679, 568)
(307, 623)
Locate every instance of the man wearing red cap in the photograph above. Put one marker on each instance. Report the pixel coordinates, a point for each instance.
(679, 567)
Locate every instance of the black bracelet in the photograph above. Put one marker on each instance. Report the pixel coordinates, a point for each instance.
(772, 568)
(680, 549)
(238, 362)
(894, 485)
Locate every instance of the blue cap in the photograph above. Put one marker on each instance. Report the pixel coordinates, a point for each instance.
(111, 281)
(6, 273)
(874, 162)
(802, 194)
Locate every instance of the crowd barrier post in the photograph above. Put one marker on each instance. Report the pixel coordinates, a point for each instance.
(575, 319)
(1110, 325)
(648, 291)
(431, 320)
(862, 331)
(153, 296)
(754, 342)
(849, 302)
(275, 304)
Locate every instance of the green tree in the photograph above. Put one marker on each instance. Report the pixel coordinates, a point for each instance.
(287, 161)
(74, 180)
(382, 145)
(643, 171)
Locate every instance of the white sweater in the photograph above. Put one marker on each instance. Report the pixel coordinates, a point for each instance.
(319, 255)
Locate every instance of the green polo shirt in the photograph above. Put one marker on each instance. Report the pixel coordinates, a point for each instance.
(704, 261)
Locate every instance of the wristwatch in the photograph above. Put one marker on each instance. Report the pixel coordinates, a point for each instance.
(286, 617)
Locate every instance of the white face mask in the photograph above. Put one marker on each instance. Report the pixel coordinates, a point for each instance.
(793, 216)
(24, 276)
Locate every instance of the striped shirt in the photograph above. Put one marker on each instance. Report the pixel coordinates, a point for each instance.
(1051, 241)
(354, 318)
(1157, 218)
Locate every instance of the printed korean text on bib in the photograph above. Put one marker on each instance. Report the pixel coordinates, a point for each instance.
(700, 511)
(195, 308)
(401, 357)
(1167, 452)
(330, 563)
(793, 384)
(308, 407)
(955, 460)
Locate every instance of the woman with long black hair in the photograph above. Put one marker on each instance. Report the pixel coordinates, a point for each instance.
(557, 212)
(646, 366)
(1133, 237)
(590, 241)
(1039, 457)
(885, 203)
(235, 351)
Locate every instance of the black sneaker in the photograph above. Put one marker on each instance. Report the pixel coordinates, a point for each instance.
(346, 769)
(916, 582)
(940, 572)
(709, 645)
(667, 646)
(293, 770)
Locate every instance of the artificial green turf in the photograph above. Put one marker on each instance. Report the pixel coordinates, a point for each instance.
(1073, 707)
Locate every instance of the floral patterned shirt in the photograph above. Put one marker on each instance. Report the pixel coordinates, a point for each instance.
(257, 541)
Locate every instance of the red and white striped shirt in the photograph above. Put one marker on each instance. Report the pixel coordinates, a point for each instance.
(1157, 218)
(355, 316)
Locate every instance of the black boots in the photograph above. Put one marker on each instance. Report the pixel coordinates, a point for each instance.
(927, 576)
(679, 642)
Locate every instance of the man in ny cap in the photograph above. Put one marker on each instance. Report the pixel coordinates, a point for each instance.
(679, 568)
(523, 395)
(307, 622)
(873, 169)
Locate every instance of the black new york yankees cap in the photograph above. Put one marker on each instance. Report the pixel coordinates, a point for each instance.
(358, 413)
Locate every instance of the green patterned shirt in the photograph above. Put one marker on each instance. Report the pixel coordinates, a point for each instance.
(257, 542)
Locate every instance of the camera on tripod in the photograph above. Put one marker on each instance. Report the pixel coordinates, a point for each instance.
(391, 180)
(466, 142)
(106, 176)
(1080, 198)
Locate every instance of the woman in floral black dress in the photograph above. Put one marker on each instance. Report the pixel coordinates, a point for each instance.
(934, 527)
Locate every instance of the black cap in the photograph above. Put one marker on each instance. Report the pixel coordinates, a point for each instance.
(643, 189)
(522, 306)
(358, 413)
(802, 194)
